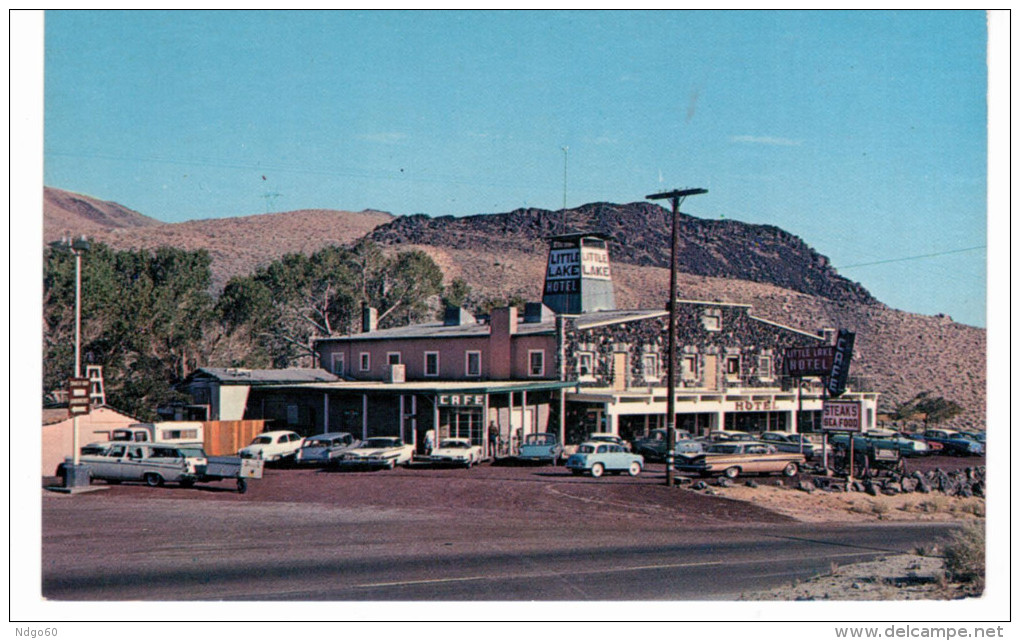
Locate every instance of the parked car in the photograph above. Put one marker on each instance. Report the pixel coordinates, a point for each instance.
(379, 451)
(653, 447)
(732, 458)
(607, 437)
(883, 440)
(798, 443)
(323, 449)
(457, 451)
(717, 436)
(954, 443)
(599, 457)
(272, 446)
(153, 463)
(929, 448)
(977, 436)
(543, 446)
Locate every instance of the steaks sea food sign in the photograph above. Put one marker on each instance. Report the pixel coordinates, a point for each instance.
(841, 416)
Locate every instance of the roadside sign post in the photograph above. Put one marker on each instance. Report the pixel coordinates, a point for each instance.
(843, 416)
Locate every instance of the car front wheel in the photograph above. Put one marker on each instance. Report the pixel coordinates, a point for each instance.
(732, 472)
(634, 469)
(597, 470)
(153, 480)
(790, 470)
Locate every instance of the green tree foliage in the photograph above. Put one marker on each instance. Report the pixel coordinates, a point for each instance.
(457, 293)
(290, 303)
(148, 317)
(934, 409)
(143, 318)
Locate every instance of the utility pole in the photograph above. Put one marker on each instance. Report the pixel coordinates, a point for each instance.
(677, 197)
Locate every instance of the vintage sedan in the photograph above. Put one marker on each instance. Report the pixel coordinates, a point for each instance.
(954, 443)
(733, 458)
(717, 436)
(323, 449)
(798, 443)
(272, 446)
(607, 437)
(379, 451)
(456, 451)
(653, 447)
(543, 446)
(883, 440)
(597, 458)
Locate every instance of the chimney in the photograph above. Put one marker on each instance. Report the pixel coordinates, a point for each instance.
(454, 316)
(501, 329)
(369, 318)
(537, 313)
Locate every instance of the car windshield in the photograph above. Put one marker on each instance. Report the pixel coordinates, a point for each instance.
(724, 448)
(539, 439)
(381, 442)
(454, 445)
(586, 449)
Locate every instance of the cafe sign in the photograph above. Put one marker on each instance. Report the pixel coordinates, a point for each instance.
(461, 400)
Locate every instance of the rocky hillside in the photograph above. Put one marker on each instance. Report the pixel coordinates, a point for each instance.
(69, 214)
(640, 234)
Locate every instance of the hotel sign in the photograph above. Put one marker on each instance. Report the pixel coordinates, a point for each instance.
(841, 416)
(567, 266)
(808, 361)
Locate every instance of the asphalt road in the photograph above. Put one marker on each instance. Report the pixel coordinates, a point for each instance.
(136, 543)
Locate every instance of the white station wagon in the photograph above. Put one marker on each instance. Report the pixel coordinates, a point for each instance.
(272, 446)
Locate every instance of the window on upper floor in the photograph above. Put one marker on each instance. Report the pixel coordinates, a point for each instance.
(765, 368)
(473, 364)
(585, 365)
(393, 358)
(336, 363)
(689, 367)
(431, 363)
(711, 320)
(536, 362)
(650, 367)
(366, 361)
(733, 368)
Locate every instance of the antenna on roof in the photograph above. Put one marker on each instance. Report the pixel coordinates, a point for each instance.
(270, 197)
(563, 223)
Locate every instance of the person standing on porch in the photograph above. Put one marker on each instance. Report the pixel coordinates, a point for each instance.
(493, 439)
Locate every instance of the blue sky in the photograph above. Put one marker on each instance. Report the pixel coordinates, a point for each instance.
(864, 133)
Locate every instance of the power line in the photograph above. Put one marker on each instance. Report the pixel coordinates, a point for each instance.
(905, 258)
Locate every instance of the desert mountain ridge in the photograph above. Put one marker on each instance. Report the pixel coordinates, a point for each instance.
(502, 255)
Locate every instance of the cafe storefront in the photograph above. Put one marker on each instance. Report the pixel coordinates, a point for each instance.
(512, 409)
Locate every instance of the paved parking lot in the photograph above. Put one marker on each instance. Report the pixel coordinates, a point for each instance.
(434, 533)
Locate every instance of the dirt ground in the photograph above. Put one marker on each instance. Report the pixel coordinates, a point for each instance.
(904, 577)
(528, 490)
